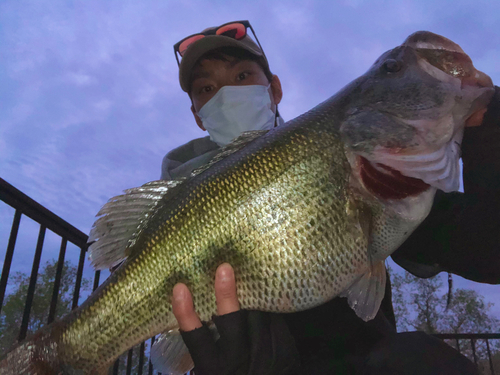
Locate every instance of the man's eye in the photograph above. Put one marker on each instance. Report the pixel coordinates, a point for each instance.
(206, 89)
(243, 76)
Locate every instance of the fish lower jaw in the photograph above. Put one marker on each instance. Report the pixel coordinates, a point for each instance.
(387, 183)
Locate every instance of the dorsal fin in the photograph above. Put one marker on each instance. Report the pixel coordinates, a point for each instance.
(121, 220)
(123, 217)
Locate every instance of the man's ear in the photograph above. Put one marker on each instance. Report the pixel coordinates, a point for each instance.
(276, 89)
(197, 119)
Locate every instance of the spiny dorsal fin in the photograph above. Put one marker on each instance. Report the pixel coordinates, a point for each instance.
(121, 220)
(123, 217)
(236, 145)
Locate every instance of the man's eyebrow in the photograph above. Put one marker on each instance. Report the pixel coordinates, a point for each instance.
(235, 62)
(200, 74)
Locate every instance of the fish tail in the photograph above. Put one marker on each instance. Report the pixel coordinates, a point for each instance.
(32, 356)
(40, 354)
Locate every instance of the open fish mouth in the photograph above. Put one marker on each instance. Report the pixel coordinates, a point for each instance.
(388, 183)
(449, 57)
(420, 133)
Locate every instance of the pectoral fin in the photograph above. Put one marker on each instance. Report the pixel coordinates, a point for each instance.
(365, 294)
(170, 355)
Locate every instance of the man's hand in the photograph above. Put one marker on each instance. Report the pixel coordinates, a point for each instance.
(225, 295)
(251, 342)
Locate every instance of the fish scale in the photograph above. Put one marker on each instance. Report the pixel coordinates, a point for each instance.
(187, 242)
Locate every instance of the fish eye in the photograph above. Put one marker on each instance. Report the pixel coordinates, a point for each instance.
(391, 66)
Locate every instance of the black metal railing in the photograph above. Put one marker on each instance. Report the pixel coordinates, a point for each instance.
(26, 206)
(473, 339)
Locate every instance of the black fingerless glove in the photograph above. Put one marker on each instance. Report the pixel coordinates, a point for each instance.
(251, 342)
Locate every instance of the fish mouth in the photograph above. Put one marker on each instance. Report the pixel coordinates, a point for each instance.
(388, 183)
(448, 57)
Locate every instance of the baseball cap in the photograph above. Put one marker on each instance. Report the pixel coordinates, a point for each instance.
(231, 35)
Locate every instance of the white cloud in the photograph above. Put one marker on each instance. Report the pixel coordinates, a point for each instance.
(80, 79)
(103, 105)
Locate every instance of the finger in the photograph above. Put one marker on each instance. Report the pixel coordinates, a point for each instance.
(225, 290)
(183, 308)
(476, 118)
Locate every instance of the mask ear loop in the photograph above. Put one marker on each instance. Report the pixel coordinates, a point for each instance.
(276, 115)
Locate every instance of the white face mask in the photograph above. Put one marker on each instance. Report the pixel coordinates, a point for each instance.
(236, 109)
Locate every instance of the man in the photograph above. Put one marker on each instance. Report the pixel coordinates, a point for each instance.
(327, 339)
(234, 79)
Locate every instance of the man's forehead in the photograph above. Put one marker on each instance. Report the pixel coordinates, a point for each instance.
(205, 67)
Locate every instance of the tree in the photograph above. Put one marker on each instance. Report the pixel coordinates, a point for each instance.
(13, 308)
(419, 304)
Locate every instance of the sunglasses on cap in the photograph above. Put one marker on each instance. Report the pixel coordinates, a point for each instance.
(235, 30)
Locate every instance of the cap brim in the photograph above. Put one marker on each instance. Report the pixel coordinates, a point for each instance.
(204, 45)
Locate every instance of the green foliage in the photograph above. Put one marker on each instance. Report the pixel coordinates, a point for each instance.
(13, 308)
(421, 304)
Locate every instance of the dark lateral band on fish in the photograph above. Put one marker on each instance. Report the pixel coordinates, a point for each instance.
(304, 213)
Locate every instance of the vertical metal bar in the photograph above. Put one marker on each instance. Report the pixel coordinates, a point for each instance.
(129, 361)
(458, 346)
(57, 281)
(473, 344)
(8, 255)
(97, 275)
(79, 274)
(116, 366)
(489, 356)
(141, 357)
(150, 364)
(32, 284)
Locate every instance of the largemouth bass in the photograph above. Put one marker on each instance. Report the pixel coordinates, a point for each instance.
(304, 213)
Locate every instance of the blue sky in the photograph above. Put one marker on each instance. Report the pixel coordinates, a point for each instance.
(89, 94)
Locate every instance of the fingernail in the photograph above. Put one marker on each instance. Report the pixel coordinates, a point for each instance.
(179, 293)
(226, 273)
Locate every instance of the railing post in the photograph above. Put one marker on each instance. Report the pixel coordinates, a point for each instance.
(473, 344)
(57, 281)
(141, 357)
(97, 276)
(129, 361)
(150, 364)
(116, 367)
(489, 356)
(79, 274)
(8, 255)
(32, 284)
